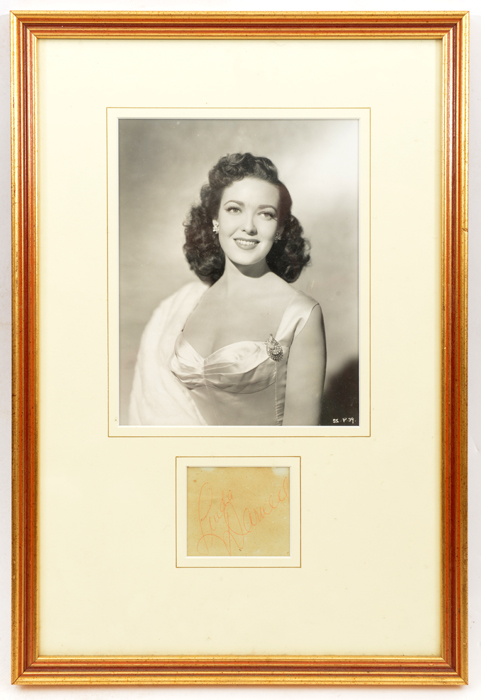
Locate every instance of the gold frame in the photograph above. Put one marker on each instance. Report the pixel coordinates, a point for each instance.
(28, 668)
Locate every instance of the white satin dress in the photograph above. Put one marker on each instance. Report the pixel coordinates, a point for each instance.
(242, 383)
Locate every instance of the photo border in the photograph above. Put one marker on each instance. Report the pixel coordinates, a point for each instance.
(261, 561)
(363, 428)
(28, 668)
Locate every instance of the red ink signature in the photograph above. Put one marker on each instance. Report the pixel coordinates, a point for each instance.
(225, 525)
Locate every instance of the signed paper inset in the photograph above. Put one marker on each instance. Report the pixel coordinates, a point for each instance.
(238, 511)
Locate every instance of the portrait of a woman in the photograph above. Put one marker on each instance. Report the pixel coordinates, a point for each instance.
(241, 345)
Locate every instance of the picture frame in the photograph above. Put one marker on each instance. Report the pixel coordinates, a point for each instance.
(34, 484)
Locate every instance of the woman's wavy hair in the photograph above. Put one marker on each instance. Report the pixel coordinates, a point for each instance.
(288, 255)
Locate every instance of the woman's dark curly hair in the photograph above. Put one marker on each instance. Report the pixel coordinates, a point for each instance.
(288, 255)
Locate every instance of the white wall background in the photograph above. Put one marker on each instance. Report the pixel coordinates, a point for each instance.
(471, 692)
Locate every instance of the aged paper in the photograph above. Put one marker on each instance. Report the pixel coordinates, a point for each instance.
(238, 511)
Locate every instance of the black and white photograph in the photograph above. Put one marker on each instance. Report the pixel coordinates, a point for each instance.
(238, 272)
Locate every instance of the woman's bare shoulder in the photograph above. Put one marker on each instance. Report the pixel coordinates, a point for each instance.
(282, 289)
(302, 299)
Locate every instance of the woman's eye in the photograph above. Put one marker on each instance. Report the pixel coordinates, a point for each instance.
(268, 215)
(233, 210)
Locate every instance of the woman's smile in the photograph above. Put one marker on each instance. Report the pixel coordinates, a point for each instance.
(246, 244)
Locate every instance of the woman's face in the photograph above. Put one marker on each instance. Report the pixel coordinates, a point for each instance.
(248, 220)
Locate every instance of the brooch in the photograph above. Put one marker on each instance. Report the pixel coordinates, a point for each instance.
(274, 349)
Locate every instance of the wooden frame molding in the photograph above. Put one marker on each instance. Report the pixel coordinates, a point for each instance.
(28, 668)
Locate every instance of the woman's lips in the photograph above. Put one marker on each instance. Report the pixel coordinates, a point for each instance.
(245, 244)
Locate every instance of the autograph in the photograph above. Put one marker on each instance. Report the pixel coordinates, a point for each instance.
(225, 524)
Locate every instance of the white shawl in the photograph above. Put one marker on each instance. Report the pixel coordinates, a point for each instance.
(158, 397)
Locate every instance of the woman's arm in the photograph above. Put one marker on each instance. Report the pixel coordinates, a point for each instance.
(306, 370)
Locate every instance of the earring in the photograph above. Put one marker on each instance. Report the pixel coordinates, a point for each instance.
(215, 226)
(278, 236)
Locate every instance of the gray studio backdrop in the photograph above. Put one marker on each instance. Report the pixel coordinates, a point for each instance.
(164, 163)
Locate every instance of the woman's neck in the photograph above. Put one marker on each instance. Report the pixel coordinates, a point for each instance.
(237, 278)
